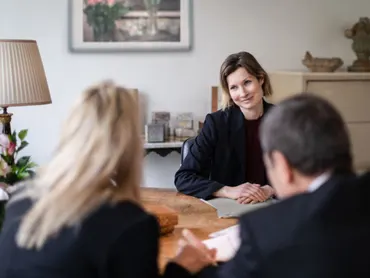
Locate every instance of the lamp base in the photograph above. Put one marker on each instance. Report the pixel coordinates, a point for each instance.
(5, 119)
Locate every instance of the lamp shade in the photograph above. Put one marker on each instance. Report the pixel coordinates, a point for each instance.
(22, 76)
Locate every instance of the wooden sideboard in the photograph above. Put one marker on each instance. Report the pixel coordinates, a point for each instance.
(349, 92)
(194, 215)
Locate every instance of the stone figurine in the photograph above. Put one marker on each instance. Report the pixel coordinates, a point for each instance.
(319, 64)
(360, 34)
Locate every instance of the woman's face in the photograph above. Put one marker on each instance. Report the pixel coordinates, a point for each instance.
(245, 89)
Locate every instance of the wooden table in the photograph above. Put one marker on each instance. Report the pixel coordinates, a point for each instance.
(194, 215)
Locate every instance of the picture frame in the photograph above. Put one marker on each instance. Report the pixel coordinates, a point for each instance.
(166, 27)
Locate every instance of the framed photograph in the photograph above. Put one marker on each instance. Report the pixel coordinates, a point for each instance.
(130, 25)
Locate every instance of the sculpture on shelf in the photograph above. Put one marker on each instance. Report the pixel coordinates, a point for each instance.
(318, 64)
(360, 34)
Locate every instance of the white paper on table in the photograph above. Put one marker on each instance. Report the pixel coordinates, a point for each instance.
(226, 243)
(228, 208)
(4, 196)
(234, 228)
(208, 203)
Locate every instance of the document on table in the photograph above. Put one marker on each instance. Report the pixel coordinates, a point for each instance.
(228, 208)
(226, 242)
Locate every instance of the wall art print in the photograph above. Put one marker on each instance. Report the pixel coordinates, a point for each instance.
(126, 25)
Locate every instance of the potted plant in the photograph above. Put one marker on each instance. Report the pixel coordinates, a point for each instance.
(12, 168)
(101, 15)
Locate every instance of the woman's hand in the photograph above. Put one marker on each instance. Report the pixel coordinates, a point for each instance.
(193, 255)
(247, 189)
(267, 192)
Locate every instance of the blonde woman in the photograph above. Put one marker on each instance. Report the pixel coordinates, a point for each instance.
(81, 215)
(226, 157)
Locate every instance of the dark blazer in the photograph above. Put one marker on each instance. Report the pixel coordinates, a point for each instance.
(217, 156)
(322, 234)
(114, 241)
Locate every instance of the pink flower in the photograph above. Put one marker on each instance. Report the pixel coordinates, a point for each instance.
(11, 148)
(111, 2)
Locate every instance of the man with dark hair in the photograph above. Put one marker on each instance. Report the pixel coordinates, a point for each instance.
(321, 226)
(306, 136)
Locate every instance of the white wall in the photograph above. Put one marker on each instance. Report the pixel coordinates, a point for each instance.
(277, 32)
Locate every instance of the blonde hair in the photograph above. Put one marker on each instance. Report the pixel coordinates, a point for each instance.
(98, 160)
(242, 60)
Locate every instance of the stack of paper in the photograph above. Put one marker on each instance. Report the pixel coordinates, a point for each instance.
(228, 208)
(226, 242)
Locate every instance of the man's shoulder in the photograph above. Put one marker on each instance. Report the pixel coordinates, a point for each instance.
(284, 209)
(275, 224)
(278, 223)
(295, 206)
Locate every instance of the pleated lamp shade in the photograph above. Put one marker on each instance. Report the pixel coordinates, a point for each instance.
(22, 76)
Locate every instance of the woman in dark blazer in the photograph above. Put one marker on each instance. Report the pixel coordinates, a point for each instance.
(225, 159)
(81, 216)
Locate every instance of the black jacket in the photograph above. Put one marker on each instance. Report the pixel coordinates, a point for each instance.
(114, 241)
(324, 234)
(217, 156)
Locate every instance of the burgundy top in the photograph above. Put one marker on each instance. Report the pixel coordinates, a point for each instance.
(255, 168)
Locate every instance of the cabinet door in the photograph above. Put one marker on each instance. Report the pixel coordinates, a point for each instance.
(360, 135)
(351, 97)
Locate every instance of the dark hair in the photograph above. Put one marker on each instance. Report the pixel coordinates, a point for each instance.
(247, 61)
(310, 133)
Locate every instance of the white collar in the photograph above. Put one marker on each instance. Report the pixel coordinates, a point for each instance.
(320, 180)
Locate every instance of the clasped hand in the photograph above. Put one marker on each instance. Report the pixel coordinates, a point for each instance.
(251, 193)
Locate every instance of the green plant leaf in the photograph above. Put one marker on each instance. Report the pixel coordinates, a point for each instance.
(101, 17)
(22, 146)
(122, 10)
(13, 137)
(22, 134)
(31, 165)
(23, 175)
(22, 162)
(7, 159)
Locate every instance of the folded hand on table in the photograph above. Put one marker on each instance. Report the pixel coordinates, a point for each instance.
(193, 255)
(246, 193)
(254, 193)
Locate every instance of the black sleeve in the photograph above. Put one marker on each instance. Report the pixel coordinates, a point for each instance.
(245, 262)
(135, 254)
(193, 176)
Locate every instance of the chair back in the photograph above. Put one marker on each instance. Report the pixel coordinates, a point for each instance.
(186, 148)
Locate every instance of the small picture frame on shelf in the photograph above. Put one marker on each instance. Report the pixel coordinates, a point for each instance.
(154, 133)
(184, 120)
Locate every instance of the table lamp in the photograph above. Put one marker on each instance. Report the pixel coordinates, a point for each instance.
(22, 78)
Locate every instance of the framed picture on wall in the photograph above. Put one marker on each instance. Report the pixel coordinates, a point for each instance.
(130, 25)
